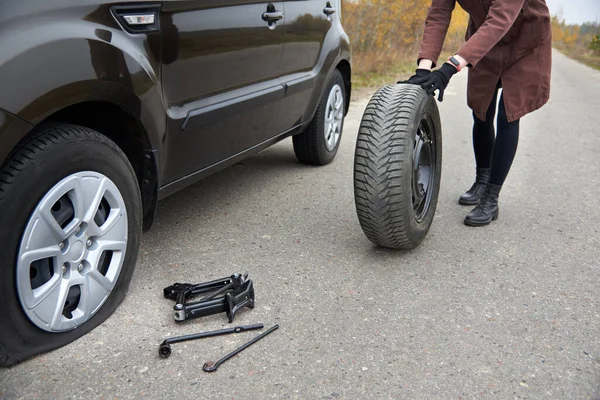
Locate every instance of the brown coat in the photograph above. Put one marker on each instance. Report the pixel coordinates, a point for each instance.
(507, 40)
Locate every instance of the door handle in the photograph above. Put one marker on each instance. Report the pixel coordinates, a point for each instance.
(272, 16)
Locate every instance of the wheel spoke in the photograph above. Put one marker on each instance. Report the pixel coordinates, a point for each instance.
(113, 224)
(338, 101)
(68, 187)
(93, 189)
(98, 284)
(112, 245)
(96, 290)
(329, 116)
(51, 226)
(32, 298)
(331, 99)
(101, 280)
(30, 256)
(76, 195)
(117, 247)
(50, 301)
(329, 132)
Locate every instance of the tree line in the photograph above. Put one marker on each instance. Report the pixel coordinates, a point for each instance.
(387, 33)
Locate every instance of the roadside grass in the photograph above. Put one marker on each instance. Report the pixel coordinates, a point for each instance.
(377, 69)
(374, 70)
(586, 57)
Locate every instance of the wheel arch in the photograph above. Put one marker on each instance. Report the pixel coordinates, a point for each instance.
(80, 67)
(129, 134)
(346, 70)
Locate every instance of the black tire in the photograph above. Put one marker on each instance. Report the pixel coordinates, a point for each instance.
(310, 146)
(56, 152)
(383, 166)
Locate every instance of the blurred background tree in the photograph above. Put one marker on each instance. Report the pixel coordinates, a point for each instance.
(386, 34)
(581, 42)
(595, 44)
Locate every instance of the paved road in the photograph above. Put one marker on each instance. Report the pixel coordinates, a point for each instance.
(508, 311)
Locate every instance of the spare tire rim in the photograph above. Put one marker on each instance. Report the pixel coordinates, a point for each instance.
(72, 251)
(423, 180)
(334, 115)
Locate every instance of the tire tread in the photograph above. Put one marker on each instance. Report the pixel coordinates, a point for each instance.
(383, 143)
(26, 153)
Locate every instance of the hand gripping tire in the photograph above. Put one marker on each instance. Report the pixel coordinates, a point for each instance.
(397, 166)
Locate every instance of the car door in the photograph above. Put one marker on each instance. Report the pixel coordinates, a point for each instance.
(220, 75)
(303, 62)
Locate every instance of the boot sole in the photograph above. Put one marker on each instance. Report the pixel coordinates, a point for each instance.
(483, 223)
(467, 203)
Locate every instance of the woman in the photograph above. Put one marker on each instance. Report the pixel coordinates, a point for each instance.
(508, 45)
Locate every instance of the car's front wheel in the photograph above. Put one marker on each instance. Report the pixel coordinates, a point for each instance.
(70, 226)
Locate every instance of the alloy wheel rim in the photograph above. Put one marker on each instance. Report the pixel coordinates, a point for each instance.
(72, 251)
(334, 115)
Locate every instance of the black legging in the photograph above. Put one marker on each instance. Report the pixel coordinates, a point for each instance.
(495, 151)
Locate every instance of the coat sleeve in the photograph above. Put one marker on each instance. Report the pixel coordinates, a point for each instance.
(499, 20)
(436, 27)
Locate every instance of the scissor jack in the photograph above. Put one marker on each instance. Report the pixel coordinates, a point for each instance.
(227, 295)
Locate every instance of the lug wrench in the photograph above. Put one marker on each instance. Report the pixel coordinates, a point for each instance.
(212, 367)
(165, 347)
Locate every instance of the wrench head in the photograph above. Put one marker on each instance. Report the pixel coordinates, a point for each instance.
(164, 350)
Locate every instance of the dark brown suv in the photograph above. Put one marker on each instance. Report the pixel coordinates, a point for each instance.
(105, 108)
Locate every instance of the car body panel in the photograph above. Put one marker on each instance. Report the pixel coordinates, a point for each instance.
(206, 96)
(314, 44)
(12, 128)
(76, 52)
(221, 85)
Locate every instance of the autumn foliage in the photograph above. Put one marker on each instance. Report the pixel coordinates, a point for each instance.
(386, 34)
(578, 41)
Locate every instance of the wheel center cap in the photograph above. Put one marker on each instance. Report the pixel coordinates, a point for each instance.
(77, 250)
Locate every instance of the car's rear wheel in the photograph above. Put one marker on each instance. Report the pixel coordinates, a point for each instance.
(398, 166)
(319, 143)
(70, 224)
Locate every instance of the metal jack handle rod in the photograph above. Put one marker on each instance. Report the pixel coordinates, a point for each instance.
(211, 367)
(165, 347)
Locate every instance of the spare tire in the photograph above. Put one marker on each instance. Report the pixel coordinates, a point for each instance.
(397, 166)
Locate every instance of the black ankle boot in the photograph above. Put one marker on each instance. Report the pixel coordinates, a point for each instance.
(473, 195)
(487, 210)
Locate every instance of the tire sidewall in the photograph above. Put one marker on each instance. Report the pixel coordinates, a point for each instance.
(18, 333)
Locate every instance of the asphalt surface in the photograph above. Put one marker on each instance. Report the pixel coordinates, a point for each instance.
(507, 311)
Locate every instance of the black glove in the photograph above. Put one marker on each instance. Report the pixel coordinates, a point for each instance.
(438, 80)
(421, 75)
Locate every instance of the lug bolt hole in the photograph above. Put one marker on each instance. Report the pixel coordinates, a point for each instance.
(84, 267)
(64, 246)
(81, 229)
